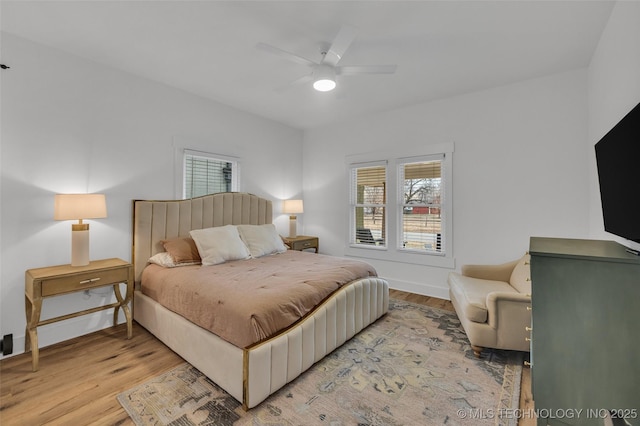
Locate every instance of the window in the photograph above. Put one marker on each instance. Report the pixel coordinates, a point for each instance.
(400, 208)
(368, 204)
(208, 174)
(421, 194)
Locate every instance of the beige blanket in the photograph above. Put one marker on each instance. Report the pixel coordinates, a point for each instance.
(246, 301)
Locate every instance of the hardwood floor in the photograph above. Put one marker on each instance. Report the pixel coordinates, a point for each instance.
(79, 379)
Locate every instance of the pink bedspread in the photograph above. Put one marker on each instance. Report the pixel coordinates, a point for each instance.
(246, 301)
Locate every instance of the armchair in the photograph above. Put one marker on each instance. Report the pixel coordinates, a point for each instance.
(493, 303)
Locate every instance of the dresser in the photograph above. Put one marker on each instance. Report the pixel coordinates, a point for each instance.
(585, 337)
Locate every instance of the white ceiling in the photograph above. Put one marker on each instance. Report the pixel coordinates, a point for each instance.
(441, 48)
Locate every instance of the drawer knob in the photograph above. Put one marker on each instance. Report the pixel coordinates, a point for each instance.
(528, 308)
(529, 328)
(527, 339)
(527, 363)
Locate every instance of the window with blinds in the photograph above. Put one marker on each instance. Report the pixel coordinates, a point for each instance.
(368, 204)
(207, 174)
(421, 193)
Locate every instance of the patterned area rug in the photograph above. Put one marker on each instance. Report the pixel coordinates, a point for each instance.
(413, 366)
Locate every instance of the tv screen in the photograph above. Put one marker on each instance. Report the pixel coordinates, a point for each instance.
(618, 160)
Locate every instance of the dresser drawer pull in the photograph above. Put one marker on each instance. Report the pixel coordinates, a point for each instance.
(529, 328)
(528, 308)
(90, 280)
(527, 363)
(527, 339)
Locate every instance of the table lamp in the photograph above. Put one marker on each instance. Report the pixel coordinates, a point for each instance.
(79, 206)
(292, 207)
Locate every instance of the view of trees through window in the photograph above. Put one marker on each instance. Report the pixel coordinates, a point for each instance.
(419, 194)
(421, 186)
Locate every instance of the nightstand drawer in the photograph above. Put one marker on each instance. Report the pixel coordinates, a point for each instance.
(301, 245)
(69, 283)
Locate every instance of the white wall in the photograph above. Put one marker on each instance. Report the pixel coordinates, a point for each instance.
(519, 170)
(614, 89)
(70, 125)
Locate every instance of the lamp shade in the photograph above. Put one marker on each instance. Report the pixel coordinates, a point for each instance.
(79, 206)
(292, 207)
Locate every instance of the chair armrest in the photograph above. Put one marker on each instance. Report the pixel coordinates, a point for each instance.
(500, 272)
(501, 303)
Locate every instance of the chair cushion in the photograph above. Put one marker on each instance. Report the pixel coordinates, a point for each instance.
(521, 276)
(471, 293)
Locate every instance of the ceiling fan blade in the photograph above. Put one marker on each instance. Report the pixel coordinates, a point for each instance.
(340, 44)
(371, 69)
(302, 80)
(287, 55)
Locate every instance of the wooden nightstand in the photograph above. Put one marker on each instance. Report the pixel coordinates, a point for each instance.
(63, 279)
(301, 242)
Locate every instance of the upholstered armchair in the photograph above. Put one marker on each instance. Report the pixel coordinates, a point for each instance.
(493, 303)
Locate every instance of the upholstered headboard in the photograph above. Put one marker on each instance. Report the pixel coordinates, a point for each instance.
(154, 221)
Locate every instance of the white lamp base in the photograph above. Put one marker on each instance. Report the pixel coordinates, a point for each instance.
(292, 227)
(80, 244)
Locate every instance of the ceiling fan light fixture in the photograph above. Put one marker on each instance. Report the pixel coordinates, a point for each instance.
(324, 78)
(324, 85)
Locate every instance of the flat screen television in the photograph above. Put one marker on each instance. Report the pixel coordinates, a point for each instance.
(618, 160)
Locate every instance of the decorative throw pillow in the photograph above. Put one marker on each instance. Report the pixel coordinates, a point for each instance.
(261, 239)
(219, 244)
(182, 250)
(166, 260)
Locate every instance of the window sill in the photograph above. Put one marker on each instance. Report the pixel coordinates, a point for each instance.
(402, 256)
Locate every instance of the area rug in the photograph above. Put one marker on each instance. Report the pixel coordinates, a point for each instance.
(414, 366)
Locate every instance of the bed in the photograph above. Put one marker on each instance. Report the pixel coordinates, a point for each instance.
(248, 372)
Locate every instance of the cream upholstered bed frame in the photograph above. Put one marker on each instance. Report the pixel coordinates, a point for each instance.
(249, 375)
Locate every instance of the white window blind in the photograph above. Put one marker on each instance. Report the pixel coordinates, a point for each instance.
(368, 204)
(421, 195)
(208, 174)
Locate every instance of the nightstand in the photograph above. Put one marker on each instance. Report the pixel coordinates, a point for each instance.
(301, 242)
(63, 279)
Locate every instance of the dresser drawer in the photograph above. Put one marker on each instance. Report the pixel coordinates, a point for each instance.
(69, 283)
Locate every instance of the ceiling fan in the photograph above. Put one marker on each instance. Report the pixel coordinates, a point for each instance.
(323, 73)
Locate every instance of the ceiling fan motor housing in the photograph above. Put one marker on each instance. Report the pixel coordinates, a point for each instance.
(324, 78)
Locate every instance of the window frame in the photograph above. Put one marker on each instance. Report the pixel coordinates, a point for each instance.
(392, 252)
(209, 156)
(400, 164)
(353, 205)
(196, 147)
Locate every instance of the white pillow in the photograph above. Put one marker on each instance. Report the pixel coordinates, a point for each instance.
(165, 259)
(219, 244)
(261, 239)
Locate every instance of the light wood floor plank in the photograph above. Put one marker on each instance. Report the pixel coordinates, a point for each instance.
(79, 379)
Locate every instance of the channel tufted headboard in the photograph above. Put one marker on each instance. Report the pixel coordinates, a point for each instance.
(154, 221)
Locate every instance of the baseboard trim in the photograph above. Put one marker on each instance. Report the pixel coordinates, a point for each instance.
(419, 288)
(57, 332)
